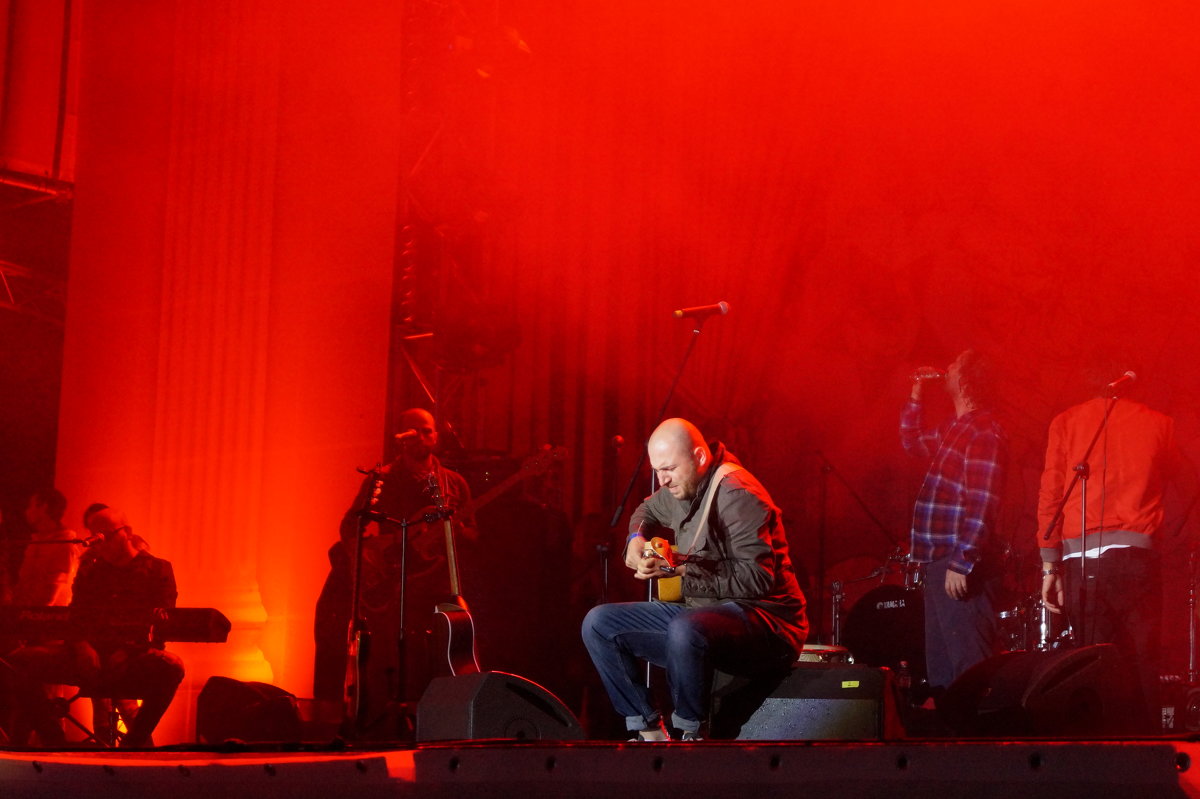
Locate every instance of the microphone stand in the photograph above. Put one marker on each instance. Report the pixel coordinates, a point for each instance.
(83, 542)
(1082, 473)
(357, 635)
(432, 516)
(619, 511)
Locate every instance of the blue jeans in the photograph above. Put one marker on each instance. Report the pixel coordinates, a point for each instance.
(958, 632)
(689, 643)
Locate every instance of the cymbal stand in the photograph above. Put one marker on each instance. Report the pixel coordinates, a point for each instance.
(837, 595)
(829, 470)
(1192, 675)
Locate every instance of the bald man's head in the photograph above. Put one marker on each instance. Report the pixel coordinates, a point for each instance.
(421, 421)
(113, 527)
(679, 457)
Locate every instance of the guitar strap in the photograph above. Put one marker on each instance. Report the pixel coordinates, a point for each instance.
(701, 537)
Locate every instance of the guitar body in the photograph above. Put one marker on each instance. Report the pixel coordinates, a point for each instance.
(456, 637)
(457, 624)
(666, 589)
(355, 694)
(358, 645)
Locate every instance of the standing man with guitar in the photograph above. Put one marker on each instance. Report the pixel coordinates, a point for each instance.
(742, 610)
(398, 490)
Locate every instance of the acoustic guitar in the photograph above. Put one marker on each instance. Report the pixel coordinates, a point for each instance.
(667, 589)
(459, 628)
(358, 638)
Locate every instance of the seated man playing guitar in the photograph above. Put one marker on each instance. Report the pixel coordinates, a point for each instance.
(742, 609)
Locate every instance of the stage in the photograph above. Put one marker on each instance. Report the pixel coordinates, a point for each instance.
(976, 769)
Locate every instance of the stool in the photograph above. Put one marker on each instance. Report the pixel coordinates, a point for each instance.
(109, 709)
(118, 713)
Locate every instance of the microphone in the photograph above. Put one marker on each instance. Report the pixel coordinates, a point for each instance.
(1122, 382)
(91, 541)
(928, 374)
(702, 311)
(407, 434)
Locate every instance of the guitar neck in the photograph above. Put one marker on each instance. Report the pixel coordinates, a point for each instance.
(452, 559)
(533, 466)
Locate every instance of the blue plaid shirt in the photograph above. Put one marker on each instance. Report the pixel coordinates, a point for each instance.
(959, 501)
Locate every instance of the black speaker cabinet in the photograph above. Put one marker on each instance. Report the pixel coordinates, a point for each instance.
(492, 704)
(1073, 692)
(813, 702)
(229, 709)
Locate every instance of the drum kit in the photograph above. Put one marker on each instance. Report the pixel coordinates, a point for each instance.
(885, 626)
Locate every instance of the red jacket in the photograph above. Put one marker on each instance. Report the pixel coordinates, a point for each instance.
(1129, 467)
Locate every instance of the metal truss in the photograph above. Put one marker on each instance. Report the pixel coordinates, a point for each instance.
(26, 291)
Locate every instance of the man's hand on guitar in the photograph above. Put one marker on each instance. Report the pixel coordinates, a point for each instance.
(633, 552)
(656, 561)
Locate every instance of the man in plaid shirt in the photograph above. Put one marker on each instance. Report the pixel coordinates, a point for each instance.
(955, 516)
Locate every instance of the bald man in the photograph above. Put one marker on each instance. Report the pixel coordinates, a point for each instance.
(404, 492)
(121, 582)
(742, 610)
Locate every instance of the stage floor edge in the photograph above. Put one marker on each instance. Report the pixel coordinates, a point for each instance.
(945, 769)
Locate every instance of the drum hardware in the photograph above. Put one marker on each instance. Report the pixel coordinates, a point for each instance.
(829, 470)
(837, 597)
(1029, 626)
(1192, 675)
(914, 575)
(1179, 693)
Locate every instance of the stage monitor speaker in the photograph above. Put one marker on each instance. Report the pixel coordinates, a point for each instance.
(1069, 692)
(813, 702)
(492, 704)
(229, 709)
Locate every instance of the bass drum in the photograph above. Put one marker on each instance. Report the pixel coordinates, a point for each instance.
(887, 626)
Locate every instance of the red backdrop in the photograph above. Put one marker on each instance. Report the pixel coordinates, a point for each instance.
(869, 186)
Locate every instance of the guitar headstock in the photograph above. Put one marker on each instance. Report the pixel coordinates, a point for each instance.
(434, 490)
(542, 460)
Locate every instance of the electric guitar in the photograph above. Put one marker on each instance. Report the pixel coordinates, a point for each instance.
(426, 541)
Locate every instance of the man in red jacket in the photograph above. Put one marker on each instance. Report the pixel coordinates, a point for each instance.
(1129, 467)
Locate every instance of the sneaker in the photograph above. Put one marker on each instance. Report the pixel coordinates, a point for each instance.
(652, 735)
(691, 735)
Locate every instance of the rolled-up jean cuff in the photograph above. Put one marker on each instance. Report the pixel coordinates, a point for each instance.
(643, 722)
(684, 725)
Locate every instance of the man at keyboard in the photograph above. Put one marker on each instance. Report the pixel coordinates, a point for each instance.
(114, 598)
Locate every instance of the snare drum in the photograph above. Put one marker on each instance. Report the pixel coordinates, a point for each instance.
(824, 653)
